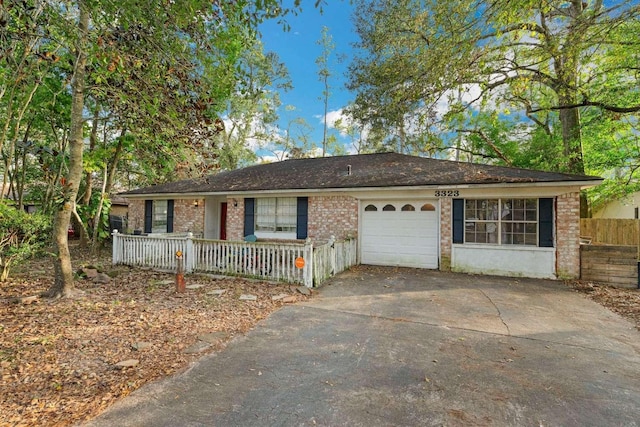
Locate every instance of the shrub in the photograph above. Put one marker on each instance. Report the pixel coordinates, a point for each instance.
(22, 235)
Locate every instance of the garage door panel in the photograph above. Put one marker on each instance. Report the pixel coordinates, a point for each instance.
(402, 238)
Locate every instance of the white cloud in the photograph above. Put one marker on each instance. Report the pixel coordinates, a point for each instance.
(334, 117)
(466, 94)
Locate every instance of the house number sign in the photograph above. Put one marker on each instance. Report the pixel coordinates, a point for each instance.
(447, 193)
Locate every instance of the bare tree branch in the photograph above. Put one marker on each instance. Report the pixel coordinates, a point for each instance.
(490, 143)
(586, 103)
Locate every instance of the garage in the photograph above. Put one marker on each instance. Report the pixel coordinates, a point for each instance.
(400, 233)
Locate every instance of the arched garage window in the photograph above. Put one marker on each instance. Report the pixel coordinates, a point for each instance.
(428, 207)
(370, 208)
(408, 208)
(389, 208)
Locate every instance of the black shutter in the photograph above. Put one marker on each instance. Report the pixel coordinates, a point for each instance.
(169, 216)
(249, 216)
(545, 223)
(148, 215)
(458, 220)
(302, 217)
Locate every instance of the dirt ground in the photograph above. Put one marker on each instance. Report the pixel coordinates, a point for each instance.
(623, 301)
(67, 360)
(59, 359)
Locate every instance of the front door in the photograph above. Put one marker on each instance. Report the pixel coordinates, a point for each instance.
(223, 221)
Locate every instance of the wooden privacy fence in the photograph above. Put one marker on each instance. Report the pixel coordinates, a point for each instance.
(287, 262)
(612, 253)
(613, 264)
(611, 231)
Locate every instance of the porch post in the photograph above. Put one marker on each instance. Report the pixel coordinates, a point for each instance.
(308, 266)
(190, 256)
(115, 248)
(332, 254)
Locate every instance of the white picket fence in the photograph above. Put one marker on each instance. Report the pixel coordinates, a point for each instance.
(286, 262)
(333, 258)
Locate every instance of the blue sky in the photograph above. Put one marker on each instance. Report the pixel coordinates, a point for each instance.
(299, 49)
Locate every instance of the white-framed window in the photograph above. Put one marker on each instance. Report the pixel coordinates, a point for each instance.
(501, 221)
(276, 215)
(159, 216)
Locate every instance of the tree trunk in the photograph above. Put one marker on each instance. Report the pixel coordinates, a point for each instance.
(97, 223)
(86, 199)
(23, 174)
(567, 70)
(572, 138)
(88, 185)
(572, 141)
(63, 285)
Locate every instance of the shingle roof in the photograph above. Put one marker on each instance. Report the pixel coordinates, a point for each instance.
(357, 171)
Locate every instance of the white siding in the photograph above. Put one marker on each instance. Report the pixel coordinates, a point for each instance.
(508, 260)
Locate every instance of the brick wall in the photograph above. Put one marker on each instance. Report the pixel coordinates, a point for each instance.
(332, 216)
(446, 235)
(186, 217)
(328, 216)
(136, 216)
(235, 219)
(568, 235)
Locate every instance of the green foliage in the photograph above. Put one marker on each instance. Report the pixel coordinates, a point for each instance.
(536, 84)
(612, 150)
(88, 212)
(324, 74)
(251, 110)
(22, 235)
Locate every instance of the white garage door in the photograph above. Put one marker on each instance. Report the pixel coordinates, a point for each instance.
(400, 233)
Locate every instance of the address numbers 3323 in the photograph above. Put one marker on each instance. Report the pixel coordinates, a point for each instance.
(447, 193)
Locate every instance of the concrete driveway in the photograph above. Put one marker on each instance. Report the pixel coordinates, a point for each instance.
(404, 347)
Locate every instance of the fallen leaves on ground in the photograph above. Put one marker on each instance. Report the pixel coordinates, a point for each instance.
(623, 301)
(58, 359)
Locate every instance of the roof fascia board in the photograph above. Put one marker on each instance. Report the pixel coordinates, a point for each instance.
(569, 184)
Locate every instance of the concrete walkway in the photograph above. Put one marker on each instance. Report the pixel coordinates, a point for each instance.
(403, 347)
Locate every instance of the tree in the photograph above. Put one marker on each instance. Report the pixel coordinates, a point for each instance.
(250, 113)
(26, 57)
(90, 88)
(551, 61)
(324, 72)
(354, 131)
(293, 142)
(185, 36)
(21, 236)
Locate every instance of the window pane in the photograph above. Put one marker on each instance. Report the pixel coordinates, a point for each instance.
(266, 214)
(470, 209)
(408, 208)
(389, 208)
(276, 214)
(532, 210)
(492, 232)
(507, 209)
(159, 221)
(286, 213)
(370, 208)
(480, 221)
(520, 222)
(502, 221)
